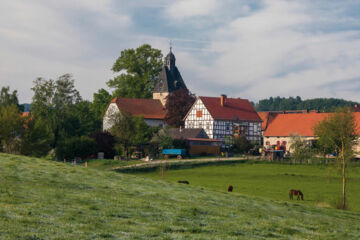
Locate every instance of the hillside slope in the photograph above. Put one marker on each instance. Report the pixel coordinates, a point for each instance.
(41, 199)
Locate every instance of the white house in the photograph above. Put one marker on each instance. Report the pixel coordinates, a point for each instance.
(221, 117)
(151, 110)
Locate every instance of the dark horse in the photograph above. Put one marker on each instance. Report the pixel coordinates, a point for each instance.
(185, 182)
(230, 188)
(297, 193)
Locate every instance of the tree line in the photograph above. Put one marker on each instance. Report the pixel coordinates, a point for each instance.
(296, 103)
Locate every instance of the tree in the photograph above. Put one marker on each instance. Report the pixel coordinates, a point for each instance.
(161, 139)
(84, 118)
(241, 145)
(178, 104)
(139, 68)
(338, 132)
(129, 131)
(81, 147)
(101, 100)
(291, 103)
(37, 137)
(11, 128)
(52, 101)
(301, 149)
(7, 98)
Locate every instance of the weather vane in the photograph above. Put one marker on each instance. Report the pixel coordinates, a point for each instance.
(170, 45)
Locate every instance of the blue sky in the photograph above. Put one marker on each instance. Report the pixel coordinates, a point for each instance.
(249, 49)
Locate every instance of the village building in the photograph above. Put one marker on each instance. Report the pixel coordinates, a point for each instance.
(223, 117)
(280, 128)
(151, 110)
(197, 140)
(169, 79)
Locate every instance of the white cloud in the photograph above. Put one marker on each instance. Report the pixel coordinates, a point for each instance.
(275, 51)
(183, 9)
(49, 38)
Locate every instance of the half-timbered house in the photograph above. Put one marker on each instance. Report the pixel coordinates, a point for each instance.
(223, 117)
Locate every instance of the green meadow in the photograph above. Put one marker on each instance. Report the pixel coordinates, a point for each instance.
(320, 184)
(42, 199)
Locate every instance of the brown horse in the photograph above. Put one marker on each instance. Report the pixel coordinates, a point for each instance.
(230, 188)
(297, 193)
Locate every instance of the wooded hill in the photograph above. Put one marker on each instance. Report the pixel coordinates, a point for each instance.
(296, 103)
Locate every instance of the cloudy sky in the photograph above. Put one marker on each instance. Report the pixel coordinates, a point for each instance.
(244, 48)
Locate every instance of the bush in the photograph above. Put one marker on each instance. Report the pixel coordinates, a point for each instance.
(104, 143)
(241, 145)
(81, 147)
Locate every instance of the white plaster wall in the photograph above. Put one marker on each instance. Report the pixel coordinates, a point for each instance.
(107, 119)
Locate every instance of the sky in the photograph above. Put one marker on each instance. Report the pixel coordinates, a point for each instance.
(250, 49)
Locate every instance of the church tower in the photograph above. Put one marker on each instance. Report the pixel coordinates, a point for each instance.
(169, 79)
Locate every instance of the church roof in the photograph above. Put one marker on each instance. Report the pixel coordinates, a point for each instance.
(170, 78)
(148, 108)
(170, 56)
(234, 109)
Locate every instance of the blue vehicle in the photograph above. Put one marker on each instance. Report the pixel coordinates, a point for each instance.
(174, 152)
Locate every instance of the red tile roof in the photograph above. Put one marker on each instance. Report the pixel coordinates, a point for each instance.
(296, 123)
(267, 118)
(299, 123)
(233, 109)
(148, 108)
(25, 114)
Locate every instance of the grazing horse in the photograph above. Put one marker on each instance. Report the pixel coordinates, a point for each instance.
(230, 188)
(297, 193)
(185, 182)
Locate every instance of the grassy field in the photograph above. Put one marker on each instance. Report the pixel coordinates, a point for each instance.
(41, 199)
(320, 184)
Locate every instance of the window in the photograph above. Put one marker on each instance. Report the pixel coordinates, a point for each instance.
(243, 130)
(267, 143)
(199, 113)
(200, 124)
(227, 126)
(207, 125)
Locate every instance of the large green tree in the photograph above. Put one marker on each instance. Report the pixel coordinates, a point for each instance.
(338, 132)
(52, 101)
(138, 70)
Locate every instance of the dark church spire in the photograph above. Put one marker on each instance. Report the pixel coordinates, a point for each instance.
(169, 79)
(170, 60)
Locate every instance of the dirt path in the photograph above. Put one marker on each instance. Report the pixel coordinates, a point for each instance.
(158, 162)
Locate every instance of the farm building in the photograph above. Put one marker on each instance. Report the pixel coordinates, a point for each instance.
(223, 117)
(197, 140)
(281, 126)
(151, 110)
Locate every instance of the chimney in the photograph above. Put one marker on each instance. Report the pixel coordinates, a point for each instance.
(222, 100)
